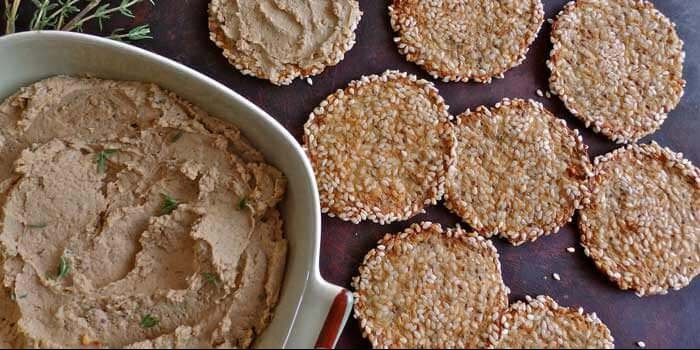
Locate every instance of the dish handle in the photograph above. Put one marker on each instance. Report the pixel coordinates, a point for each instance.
(326, 309)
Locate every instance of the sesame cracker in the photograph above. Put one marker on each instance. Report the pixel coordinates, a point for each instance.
(540, 323)
(617, 66)
(641, 225)
(466, 40)
(380, 148)
(519, 171)
(429, 288)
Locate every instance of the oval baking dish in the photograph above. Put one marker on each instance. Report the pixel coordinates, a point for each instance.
(311, 312)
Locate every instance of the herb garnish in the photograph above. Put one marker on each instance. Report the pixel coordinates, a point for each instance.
(42, 225)
(211, 278)
(101, 159)
(243, 203)
(63, 268)
(177, 136)
(14, 297)
(136, 33)
(148, 321)
(72, 15)
(169, 204)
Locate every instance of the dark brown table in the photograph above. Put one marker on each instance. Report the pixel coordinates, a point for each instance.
(180, 30)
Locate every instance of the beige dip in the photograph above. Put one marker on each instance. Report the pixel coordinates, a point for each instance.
(92, 253)
(280, 40)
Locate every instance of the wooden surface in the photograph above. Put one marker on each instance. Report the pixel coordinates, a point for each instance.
(180, 30)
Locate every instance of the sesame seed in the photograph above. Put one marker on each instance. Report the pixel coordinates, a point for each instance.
(571, 250)
(641, 344)
(556, 276)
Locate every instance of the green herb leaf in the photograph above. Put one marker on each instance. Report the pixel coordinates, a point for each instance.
(37, 226)
(211, 278)
(63, 268)
(148, 321)
(169, 204)
(177, 136)
(101, 159)
(72, 15)
(137, 33)
(243, 203)
(14, 297)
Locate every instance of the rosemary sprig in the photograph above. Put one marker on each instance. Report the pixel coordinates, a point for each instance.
(101, 13)
(148, 321)
(101, 159)
(67, 15)
(63, 268)
(169, 204)
(136, 33)
(52, 15)
(11, 15)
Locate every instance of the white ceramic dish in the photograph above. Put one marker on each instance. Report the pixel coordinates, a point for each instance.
(311, 311)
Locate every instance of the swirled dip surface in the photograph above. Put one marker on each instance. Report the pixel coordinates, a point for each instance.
(281, 40)
(131, 218)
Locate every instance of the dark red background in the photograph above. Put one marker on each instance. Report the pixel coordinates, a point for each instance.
(180, 30)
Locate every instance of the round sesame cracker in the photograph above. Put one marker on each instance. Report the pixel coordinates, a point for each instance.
(519, 171)
(617, 65)
(641, 225)
(380, 148)
(463, 40)
(427, 288)
(542, 324)
(313, 18)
